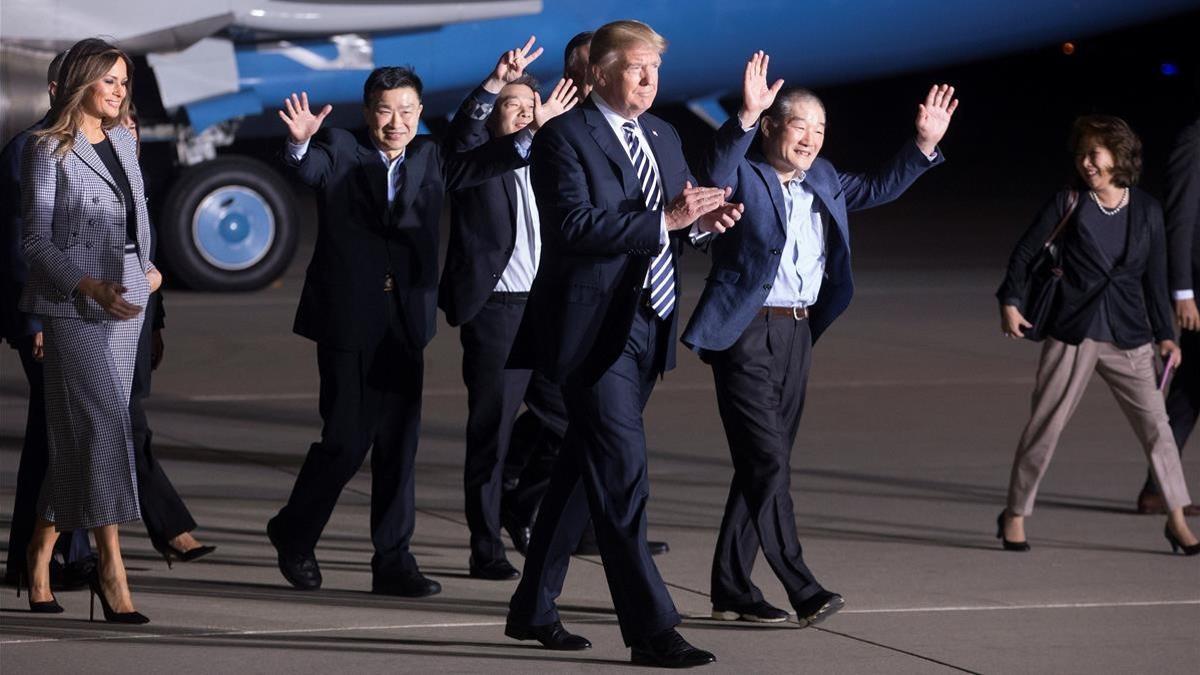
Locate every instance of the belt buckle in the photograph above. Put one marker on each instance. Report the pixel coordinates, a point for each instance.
(799, 313)
(388, 283)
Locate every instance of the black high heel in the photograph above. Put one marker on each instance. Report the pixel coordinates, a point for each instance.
(1178, 546)
(1008, 545)
(109, 615)
(170, 553)
(50, 606)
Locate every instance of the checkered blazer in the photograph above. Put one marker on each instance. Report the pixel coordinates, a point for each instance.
(74, 223)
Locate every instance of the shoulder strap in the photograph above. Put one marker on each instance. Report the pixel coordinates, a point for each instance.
(1072, 202)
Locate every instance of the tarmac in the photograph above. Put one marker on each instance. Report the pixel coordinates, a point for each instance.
(901, 465)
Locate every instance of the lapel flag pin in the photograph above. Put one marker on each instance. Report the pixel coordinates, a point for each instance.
(655, 133)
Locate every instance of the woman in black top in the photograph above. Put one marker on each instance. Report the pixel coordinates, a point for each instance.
(86, 237)
(1111, 310)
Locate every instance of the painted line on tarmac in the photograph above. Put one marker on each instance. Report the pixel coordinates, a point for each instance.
(1047, 605)
(706, 386)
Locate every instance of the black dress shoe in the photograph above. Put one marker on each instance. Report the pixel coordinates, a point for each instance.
(494, 570)
(300, 569)
(520, 534)
(668, 649)
(758, 612)
(411, 585)
(818, 608)
(552, 636)
(589, 546)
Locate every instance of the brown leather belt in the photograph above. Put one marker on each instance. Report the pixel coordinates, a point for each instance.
(795, 313)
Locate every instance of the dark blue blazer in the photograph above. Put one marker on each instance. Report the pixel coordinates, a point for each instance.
(483, 226)
(14, 272)
(746, 258)
(361, 238)
(598, 239)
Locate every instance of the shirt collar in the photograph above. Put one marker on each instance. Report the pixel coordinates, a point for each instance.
(614, 119)
(391, 163)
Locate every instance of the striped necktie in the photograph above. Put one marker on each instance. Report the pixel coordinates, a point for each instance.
(661, 277)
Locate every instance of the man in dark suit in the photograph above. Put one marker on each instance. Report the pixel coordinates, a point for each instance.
(778, 280)
(490, 265)
(610, 181)
(73, 558)
(1183, 262)
(369, 302)
(534, 444)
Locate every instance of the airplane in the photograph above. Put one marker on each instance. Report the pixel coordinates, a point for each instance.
(219, 69)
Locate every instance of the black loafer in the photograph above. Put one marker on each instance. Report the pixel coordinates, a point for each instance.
(300, 569)
(668, 649)
(494, 570)
(519, 531)
(758, 612)
(818, 608)
(552, 636)
(412, 585)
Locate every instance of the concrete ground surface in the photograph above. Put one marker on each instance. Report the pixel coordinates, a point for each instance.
(901, 465)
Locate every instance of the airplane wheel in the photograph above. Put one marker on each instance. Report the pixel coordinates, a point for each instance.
(228, 225)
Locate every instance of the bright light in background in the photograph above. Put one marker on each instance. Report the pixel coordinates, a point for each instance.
(1068, 48)
(1169, 69)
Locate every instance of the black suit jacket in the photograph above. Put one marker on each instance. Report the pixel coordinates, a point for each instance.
(14, 271)
(1134, 291)
(598, 239)
(361, 239)
(483, 228)
(1183, 209)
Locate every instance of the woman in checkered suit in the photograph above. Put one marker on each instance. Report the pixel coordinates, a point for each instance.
(87, 241)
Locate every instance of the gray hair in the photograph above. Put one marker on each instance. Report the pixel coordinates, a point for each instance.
(781, 110)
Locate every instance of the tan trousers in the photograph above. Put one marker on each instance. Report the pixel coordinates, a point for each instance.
(1063, 375)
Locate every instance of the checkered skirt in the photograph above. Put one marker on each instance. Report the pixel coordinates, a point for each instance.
(89, 365)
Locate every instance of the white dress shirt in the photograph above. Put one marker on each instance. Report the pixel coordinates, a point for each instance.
(527, 245)
(615, 120)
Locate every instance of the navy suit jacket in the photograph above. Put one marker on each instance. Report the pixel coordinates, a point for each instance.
(1183, 209)
(361, 238)
(598, 239)
(746, 257)
(483, 226)
(14, 272)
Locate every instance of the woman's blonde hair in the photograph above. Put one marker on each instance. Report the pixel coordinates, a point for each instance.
(85, 63)
(612, 38)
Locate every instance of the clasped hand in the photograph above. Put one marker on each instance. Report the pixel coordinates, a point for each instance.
(705, 206)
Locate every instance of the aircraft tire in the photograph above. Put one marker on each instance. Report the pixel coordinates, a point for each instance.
(228, 224)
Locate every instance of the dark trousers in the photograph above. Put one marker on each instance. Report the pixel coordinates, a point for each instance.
(369, 400)
(163, 512)
(532, 452)
(602, 470)
(1183, 399)
(31, 471)
(761, 382)
(494, 395)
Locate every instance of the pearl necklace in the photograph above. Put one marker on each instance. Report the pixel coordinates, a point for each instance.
(1113, 211)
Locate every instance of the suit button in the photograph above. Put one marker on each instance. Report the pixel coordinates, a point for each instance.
(87, 244)
(95, 200)
(495, 276)
(775, 251)
(766, 287)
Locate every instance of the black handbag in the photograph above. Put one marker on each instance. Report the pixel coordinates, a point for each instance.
(1045, 277)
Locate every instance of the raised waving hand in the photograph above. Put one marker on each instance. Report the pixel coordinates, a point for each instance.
(559, 101)
(302, 124)
(757, 96)
(511, 65)
(933, 116)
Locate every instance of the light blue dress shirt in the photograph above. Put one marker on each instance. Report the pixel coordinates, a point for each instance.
(802, 263)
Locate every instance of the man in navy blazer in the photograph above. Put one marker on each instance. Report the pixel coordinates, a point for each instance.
(610, 182)
(778, 280)
(369, 302)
